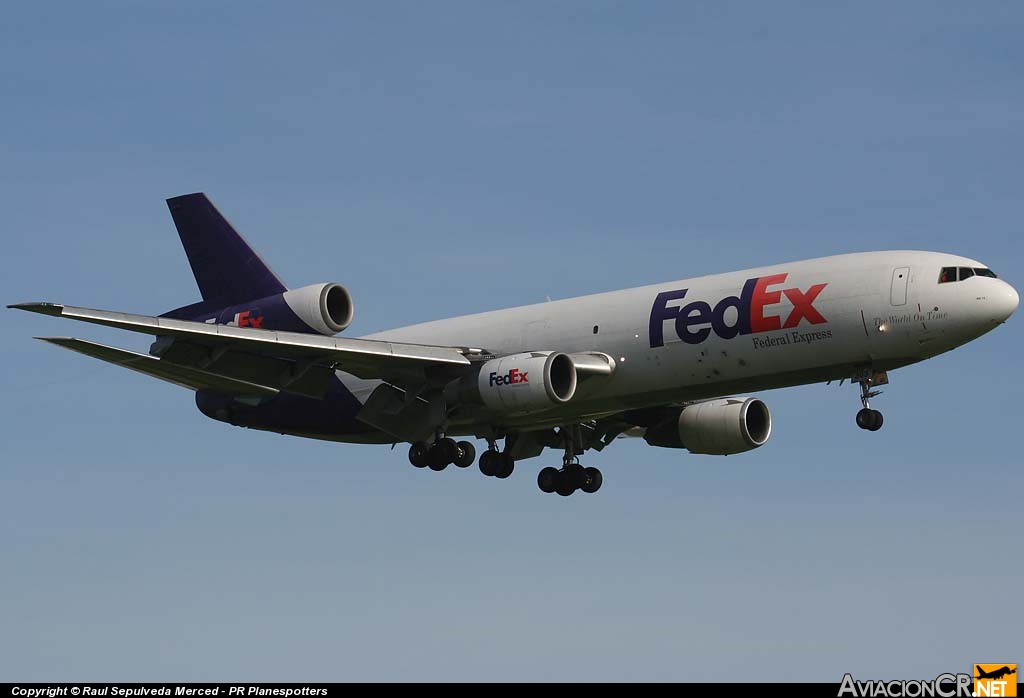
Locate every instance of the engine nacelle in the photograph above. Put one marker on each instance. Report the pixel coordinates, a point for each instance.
(716, 427)
(326, 308)
(521, 382)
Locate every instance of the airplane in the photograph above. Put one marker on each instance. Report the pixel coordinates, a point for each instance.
(996, 674)
(664, 362)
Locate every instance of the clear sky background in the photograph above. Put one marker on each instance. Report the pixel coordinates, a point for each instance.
(446, 158)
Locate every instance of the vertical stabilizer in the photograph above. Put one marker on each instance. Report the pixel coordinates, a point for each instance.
(226, 268)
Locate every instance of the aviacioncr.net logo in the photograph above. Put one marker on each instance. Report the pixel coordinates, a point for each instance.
(942, 686)
(998, 680)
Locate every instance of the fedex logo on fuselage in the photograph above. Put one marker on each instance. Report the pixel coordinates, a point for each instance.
(513, 377)
(246, 318)
(695, 321)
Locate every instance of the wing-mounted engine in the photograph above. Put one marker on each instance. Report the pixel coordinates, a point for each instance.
(519, 383)
(715, 427)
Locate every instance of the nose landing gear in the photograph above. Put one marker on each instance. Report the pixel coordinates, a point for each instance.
(868, 418)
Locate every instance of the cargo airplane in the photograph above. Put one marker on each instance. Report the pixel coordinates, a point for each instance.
(662, 362)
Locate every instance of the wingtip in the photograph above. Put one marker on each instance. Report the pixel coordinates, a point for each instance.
(44, 308)
(60, 342)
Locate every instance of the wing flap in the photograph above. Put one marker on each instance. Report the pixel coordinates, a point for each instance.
(184, 376)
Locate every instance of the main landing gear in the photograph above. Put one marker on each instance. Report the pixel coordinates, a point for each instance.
(494, 463)
(442, 453)
(868, 418)
(572, 476)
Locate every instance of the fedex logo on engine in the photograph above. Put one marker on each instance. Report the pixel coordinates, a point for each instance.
(753, 311)
(513, 377)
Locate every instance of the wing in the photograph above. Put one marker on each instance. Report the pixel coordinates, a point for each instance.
(285, 358)
(185, 376)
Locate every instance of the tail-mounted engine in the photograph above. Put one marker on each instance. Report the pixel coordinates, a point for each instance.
(715, 427)
(326, 308)
(321, 308)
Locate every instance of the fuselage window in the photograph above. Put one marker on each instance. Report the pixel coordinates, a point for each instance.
(966, 273)
(981, 271)
(947, 275)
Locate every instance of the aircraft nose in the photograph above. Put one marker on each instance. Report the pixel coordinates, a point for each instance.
(1005, 302)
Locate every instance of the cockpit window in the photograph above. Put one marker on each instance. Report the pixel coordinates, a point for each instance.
(950, 274)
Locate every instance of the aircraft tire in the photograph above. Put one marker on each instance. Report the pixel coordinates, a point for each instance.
(505, 465)
(576, 474)
(547, 480)
(419, 454)
(594, 480)
(448, 450)
(438, 461)
(488, 464)
(876, 421)
(565, 485)
(467, 454)
(865, 418)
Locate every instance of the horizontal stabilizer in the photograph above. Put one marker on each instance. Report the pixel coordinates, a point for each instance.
(186, 377)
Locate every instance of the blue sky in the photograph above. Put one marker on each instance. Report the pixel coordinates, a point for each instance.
(447, 158)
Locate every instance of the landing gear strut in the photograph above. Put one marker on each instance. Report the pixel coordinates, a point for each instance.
(868, 418)
(572, 475)
(442, 453)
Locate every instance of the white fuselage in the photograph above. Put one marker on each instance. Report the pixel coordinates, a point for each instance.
(769, 327)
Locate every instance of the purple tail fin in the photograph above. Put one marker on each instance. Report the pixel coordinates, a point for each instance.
(226, 268)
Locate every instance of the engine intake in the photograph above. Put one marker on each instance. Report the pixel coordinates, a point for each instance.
(716, 427)
(521, 382)
(326, 308)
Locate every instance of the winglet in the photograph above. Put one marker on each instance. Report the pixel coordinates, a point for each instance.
(55, 309)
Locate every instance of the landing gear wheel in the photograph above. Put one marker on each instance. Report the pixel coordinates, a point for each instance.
(877, 421)
(438, 460)
(576, 474)
(467, 454)
(547, 480)
(489, 463)
(565, 485)
(448, 449)
(419, 454)
(593, 482)
(865, 418)
(869, 419)
(506, 465)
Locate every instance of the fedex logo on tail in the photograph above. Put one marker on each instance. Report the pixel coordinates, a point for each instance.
(513, 377)
(694, 322)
